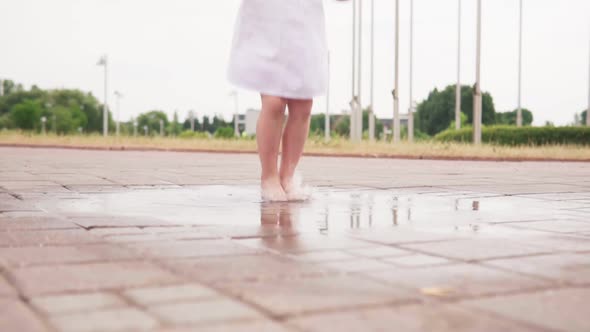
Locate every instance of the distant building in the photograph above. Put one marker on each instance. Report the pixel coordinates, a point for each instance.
(388, 122)
(247, 122)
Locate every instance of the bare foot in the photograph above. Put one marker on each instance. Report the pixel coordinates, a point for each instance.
(272, 191)
(294, 189)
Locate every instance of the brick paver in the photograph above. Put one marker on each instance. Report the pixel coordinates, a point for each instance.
(156, 241)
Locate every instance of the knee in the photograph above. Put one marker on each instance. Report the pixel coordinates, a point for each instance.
(300, 110)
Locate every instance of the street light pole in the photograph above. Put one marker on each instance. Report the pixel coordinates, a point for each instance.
(396, 119)
(371, 111)
(458, 88)
(588, 109)
(353, 100)
(519, 109)
(236, 113)
(105, 115)
(359, 115)
(411, 109)
(327, 119)
(477, 105)
(119, 95)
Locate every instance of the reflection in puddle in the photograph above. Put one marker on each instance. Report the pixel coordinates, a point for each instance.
(328, 210)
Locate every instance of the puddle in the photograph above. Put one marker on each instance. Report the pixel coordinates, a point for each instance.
(328, 210)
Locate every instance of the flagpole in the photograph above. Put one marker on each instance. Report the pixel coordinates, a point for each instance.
(371, 110)
(411, 109)
(519, 109)
(396, 119)
(458, 88)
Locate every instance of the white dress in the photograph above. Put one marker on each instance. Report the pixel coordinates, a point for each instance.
(279, 48)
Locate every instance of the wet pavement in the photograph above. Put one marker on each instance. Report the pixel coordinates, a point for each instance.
(154, 241)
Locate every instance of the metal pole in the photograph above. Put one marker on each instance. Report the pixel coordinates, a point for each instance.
(237, 116)
(458, 88)
(327, 120)
(519, 109)
(588, 109)
(135, 124)
(359, 122)
(105, 112)
(161, 127)
(411, 109)
(118, 95)
(191, 116)
(396, 119)
(477, 105)
(371, 112)
(352, 103)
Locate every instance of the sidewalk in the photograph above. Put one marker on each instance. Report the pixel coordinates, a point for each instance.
(162, 241)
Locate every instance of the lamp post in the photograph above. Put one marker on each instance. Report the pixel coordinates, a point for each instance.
(371, 112)
(458, 88)
(353, 98)
(411, 109)
(477, 104)
(161, 127)
(135, 128)
(519, 109)
(145, 130)
(119, 95)
(234, 94)
(396, 119)
(588, 109)
(327, 119)
(359, 114)
(43, 122)
(103, 61)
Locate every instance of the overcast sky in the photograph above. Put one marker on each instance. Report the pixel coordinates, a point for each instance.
(172, 55)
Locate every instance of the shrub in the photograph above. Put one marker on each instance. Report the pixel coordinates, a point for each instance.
(224, 132)
(510, 135)
(194, 134)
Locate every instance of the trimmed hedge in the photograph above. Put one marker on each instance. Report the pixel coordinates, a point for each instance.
(510, 135)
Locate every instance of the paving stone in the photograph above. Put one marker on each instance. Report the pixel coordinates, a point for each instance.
(46, 237)
(6, 289)
(417, 260)
(127, 319)
(412, 318)
(564, 268)
(204, 312)
(115, 221)
(167, 294)
(90, 277)
(478, 249)
(196, 248)
(305, 295)
(249, 267)
(357, 265)
(400, 235)
(46, 255)
(555, 226)
(457, 281)
(304, 243)
(558, 310)
(258, 326)
(323, 256)
(16, 316)
(379, 252)
(49, 223)
(77, 303)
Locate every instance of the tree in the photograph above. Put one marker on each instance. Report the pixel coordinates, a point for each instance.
(438, 110)
(509, 118)
(27, 115)
(175, 128)
(152, 121)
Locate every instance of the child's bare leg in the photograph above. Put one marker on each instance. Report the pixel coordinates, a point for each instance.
(268, 138)
(294, 137)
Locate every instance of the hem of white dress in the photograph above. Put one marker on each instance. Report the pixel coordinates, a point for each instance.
(275, 93)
